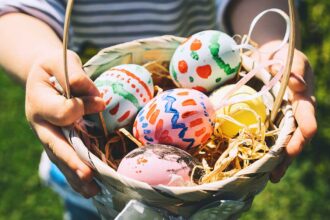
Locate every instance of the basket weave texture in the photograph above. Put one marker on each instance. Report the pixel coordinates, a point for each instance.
(118, 190)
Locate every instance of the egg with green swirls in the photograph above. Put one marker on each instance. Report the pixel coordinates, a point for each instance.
(125, 89)
(205, 61)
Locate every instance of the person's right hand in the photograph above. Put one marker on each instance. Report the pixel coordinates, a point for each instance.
(47, 110)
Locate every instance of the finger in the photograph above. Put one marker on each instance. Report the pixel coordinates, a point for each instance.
(296, 144)
(293, 148)
(80, 83)
(79, 175)
(280, 170)
(61, 152)
(59, 110)
(300, 67)
(304, 113)
(86, 187)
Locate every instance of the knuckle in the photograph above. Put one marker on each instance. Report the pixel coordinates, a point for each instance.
(68, 112)
(77, 80)
(73, 56)
(76, 106)
(62, 114)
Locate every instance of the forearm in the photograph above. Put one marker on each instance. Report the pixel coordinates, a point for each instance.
(22, 40)
(269, 28)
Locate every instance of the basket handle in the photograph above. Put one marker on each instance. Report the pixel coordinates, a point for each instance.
(68, 11)
(288, 64)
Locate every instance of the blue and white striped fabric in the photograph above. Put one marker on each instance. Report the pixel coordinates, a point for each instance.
(108, 22)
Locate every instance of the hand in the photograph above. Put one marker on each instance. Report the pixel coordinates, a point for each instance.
(47, 110)
(303, 103)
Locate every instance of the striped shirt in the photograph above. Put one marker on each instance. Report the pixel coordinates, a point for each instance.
(107, 22)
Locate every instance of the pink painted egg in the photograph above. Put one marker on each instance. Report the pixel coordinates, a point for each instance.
(158, 164)
(177, 117)
(125, 90)
(205, 61)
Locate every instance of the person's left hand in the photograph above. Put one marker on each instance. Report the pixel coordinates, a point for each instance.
(303, 102)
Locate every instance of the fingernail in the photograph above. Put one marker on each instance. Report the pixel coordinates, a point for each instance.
(298, 78)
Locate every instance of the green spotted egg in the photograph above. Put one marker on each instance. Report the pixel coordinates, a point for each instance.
(205, 61)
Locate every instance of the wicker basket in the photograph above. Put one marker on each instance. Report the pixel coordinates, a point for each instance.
(199, 202)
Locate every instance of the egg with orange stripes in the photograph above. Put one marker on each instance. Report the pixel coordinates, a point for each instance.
(125, 89)
(205, 61)
(178, 117)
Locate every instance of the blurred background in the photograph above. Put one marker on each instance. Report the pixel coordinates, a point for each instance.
(304, 193)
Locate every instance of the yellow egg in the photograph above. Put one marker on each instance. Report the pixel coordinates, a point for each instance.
(242, 112)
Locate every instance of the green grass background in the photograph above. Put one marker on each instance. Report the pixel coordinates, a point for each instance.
(304, 193)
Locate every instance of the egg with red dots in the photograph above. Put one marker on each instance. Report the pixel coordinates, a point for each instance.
(178, 117)
(125, 89)
(205, 61)
(158, 164)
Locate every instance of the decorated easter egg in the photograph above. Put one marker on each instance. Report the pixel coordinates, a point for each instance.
(205, 61)
(125, 89)
(245, 112)
(177, 117)
(158, 164)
